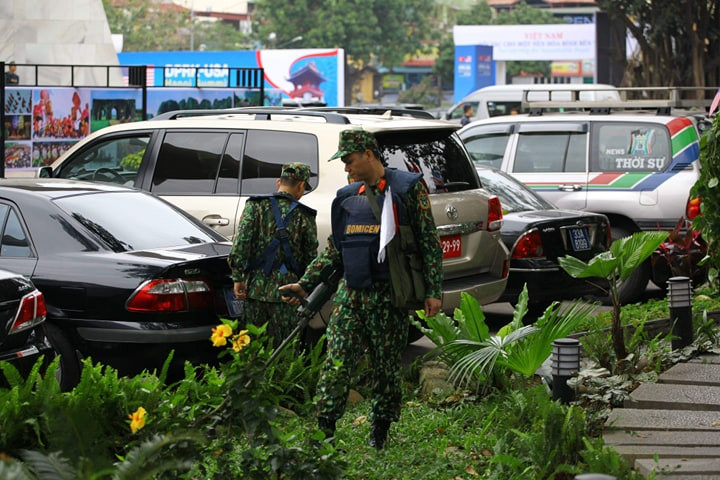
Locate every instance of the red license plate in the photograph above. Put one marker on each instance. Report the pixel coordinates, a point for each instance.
(451, 246)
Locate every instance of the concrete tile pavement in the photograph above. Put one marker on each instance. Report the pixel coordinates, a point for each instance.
(672, 427)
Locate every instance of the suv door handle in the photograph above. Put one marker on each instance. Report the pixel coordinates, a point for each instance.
(215, 221)
(570, 188)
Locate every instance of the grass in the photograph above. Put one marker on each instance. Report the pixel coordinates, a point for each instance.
(657, 308)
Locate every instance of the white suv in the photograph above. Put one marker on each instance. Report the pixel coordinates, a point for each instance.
(636, 168)
(208, 163)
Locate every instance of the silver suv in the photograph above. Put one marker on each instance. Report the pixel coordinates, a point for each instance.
(208, 163)
(636, 168)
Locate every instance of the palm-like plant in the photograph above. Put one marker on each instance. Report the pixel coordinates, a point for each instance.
(475, 356)
(616, 265)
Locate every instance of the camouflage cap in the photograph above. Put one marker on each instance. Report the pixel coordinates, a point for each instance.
(297, 171)
(356, 140)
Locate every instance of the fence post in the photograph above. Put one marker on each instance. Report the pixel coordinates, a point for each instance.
(2, 120)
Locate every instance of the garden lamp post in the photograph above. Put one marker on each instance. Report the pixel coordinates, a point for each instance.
(680, 306)
(565, 361)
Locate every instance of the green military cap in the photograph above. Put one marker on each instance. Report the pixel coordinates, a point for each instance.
(297, 171)
(356, 140)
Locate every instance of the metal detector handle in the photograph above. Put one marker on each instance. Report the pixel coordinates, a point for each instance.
(320, 294)
(309, 305)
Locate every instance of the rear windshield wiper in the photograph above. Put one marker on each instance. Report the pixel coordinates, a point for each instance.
(110, 239)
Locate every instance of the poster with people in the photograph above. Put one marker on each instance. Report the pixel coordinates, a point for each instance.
(43, 123)
(60, 113)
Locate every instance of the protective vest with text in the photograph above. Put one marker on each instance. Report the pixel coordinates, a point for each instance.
(356, 229)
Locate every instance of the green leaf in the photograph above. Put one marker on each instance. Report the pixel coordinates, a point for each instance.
(601, 265)
(635, 249)
(475, 324)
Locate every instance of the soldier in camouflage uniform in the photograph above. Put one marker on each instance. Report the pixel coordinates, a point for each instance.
(263, 258)
(363, 317)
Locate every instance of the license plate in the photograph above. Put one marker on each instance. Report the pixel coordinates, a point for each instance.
(579, 239)
(235, 306)
(451, 246)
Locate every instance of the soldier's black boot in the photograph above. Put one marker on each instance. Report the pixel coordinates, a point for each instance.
(378, 434)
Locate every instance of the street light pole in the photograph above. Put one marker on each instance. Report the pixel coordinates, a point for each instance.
(192, 25)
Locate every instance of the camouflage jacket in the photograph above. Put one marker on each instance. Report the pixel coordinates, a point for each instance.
(256, 229)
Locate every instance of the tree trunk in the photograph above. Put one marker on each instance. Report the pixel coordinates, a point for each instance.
(618, 336)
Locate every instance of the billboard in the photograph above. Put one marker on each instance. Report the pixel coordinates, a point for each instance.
(531, 42)
(474, 68)
(301, 74)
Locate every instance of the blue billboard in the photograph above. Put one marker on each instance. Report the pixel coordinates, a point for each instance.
(474, 68)
(299, 74)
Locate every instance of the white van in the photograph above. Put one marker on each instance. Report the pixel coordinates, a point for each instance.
(499, 100)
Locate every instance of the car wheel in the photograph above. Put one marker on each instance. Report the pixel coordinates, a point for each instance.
(68, 373)
(634, 286)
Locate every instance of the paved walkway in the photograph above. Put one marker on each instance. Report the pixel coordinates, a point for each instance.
(672, 427)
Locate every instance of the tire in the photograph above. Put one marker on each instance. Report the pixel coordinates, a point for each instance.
(68, 373)
(632, 289)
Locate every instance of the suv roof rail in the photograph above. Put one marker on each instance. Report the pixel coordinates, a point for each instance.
(661, 99)
(261, 113)
(375, 110)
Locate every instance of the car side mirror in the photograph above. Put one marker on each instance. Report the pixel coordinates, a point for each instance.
(44, 172)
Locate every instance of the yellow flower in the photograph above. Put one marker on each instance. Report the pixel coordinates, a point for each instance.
(220, 334)
(242, 339)
(137, 419)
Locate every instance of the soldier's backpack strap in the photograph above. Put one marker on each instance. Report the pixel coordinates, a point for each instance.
(266, 260)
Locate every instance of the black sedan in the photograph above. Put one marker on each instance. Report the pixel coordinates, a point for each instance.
(22, 333)
(537, 233)
(126, 276)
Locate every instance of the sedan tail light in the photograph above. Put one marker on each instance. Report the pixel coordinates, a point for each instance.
(495, 215)
(31, 312)
(171, 295)
(528, 246)
(692, 209)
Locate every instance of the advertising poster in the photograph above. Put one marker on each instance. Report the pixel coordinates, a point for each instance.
(110, 106)
(305, 74)
(60, 113)
(162, 100)
(474, 68)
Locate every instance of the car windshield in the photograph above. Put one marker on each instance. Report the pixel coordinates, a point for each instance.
(438, 155)
(513, 195)
(132, 221)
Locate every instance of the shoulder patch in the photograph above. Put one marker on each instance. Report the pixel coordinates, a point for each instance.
(424, 201)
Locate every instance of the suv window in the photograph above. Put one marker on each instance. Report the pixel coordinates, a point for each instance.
(266, 151)
(188, 162)
(439, 156)
(550, 152)
(630, 147)
(487, 149)
(116, 159)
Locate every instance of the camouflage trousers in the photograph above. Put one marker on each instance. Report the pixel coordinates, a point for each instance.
(378, 330)
(280, 317)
